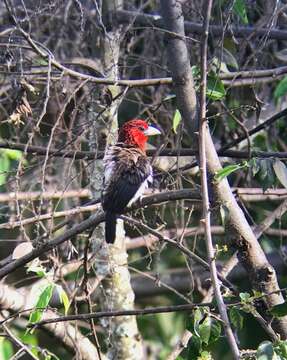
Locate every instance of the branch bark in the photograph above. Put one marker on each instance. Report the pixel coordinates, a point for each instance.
(149, 20)
(15, 301)
(122, 335)
(93, 221)
(261, 273)
(203, 128)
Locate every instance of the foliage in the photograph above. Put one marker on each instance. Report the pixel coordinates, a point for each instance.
(205, 330)
(6, 157)
(46, 107)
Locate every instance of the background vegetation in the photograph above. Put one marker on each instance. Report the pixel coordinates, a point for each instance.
(71, 72)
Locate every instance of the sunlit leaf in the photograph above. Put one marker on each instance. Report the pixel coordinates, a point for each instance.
(245, 297)
(205, 330)
(37, 268)
(205, 355)
(63, 298)
(6, 349)
(13, 154)
(281, 172)
(197, 316)
(176, 120)
(4, 167)
(281, 348)
(227, 170)
(215, 87)
(240, 9)
(42, 303)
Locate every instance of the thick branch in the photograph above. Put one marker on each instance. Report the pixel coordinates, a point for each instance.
(203, 128)
(93, 221)
(261, 273)
(110, 313)
(149, 20)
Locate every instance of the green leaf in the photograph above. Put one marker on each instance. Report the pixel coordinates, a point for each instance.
(42, 303)
(240, 9)
(265, 351)
(227, 170)
(194, 347)
(176, 120)
(215, 331)
(13, 154)
(281, 172)
(195, 72)
(281, 349)
(4, 167)
(281, 88)
(205, 330)
(63, 298)
(236, 318)
(215, 87)
(245, 296)
(205, 355)
(255, 166)
(279, 310)
(6, 349)
(37, 269)
(229, 59)
(198, 316)
(40, 62)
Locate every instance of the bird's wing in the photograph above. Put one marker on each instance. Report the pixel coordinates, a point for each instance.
(127, 172)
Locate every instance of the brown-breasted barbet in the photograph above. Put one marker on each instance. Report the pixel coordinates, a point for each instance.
(127, 172)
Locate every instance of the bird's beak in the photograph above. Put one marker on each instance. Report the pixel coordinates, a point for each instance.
(150, 131)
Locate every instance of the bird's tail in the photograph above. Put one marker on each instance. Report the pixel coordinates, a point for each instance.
(110, 227)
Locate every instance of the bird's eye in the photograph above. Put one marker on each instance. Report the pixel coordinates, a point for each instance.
(141, 128)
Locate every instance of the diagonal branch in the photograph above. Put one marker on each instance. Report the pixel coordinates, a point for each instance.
(203, 128)
(261, 273)
(91, 222)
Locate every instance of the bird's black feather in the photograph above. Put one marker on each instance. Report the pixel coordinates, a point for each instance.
(127, 169)
(123, 190)
(110, 227)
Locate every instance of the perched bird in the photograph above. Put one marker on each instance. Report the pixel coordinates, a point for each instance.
(127, 171)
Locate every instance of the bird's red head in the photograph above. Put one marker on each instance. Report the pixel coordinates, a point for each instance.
(135, 132)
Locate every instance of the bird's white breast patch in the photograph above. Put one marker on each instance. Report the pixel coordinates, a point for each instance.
(142, 188)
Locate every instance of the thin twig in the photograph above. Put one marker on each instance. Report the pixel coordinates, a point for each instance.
(93, 221)
(180, 346)
(19, 343)
(110, 313)
(204, 187)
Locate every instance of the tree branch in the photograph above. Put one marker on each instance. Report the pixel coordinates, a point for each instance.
(110, 313)
(261, 273)
(149, 20)
(93, 221)
(203, 128)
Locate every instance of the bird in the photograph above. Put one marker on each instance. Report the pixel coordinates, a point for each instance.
(127, 172)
